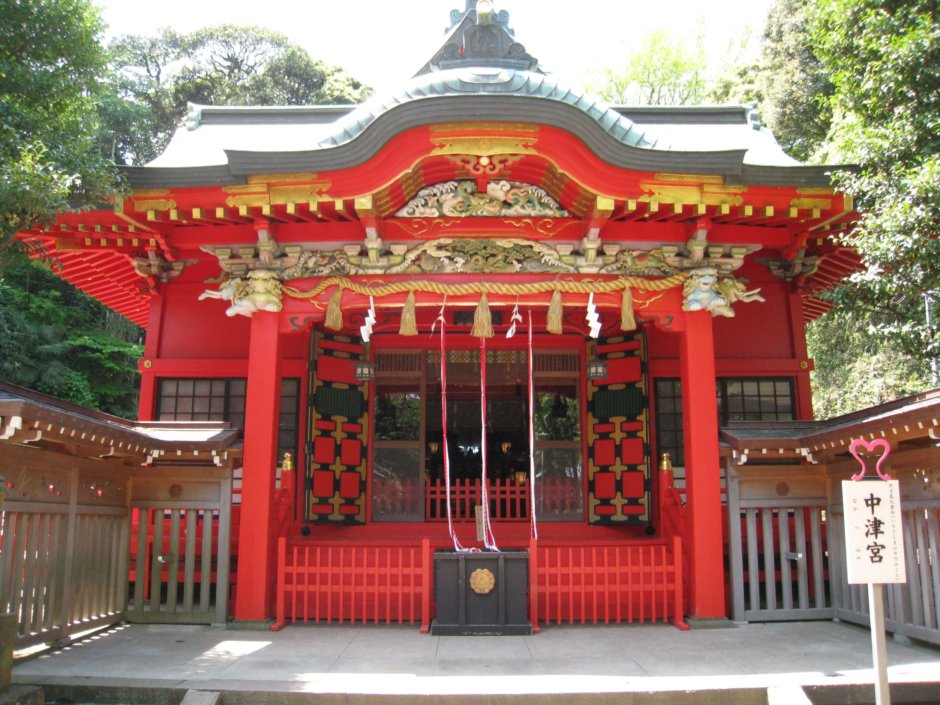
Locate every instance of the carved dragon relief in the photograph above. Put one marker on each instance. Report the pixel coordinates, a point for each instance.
(705, 290)
(452, 256)
(456, 199)
(481, 256)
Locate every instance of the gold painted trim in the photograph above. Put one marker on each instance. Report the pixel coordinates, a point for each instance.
(691, 178)
(811, 203)
(281, 178)
(150, 193)
(244, 188)
(482, 146)
(485, 127)
(156, 205)
(816, 191)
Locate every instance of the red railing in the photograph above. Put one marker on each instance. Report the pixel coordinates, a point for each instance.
(604, 583)
(353, 583)
(508, 499)
(392, 583)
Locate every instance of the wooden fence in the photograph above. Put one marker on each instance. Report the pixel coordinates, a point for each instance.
(778, 543)
(392, 583)
(360, 582)
(180, 541)
(912, 609)
(63, 545)
(786, 547)
(508, 498)
(69, 552)
(606, 583)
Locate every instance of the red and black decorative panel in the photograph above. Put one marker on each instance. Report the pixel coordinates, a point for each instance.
(336, 433)
(618, 435)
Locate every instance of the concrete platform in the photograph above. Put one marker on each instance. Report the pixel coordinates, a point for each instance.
(807, 662)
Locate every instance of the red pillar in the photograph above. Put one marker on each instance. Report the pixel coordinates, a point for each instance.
(256, 533)
(147, 398)
(804, 392)
(703, 484)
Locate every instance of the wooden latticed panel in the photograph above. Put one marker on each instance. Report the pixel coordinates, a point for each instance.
(618, 435)
(337, 433)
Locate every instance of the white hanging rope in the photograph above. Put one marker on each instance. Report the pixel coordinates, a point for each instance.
(450, 522)
(534, 527)
(488, 540)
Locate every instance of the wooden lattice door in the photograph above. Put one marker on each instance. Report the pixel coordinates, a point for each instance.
(618, 435)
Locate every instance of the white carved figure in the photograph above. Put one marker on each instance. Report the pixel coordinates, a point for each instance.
(261, 291)
(704, 291)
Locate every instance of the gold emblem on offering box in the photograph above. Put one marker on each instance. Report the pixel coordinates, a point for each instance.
(482, 581)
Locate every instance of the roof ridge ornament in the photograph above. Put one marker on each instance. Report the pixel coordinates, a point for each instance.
(480, 36)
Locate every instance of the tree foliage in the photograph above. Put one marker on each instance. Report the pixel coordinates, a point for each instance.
(57, 340)
(50, 63)
(155, 78)
(883, 57)
(663, 71)
(793, 83)
(855, 367)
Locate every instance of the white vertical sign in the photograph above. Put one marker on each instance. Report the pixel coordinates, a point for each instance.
(874, 542)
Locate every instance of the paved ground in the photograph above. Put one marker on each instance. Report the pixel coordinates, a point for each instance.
(577, 660)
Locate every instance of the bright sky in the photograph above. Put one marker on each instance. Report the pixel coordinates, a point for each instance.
(385, 43)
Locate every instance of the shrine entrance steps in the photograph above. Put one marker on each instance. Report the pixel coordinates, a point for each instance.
(751, 664)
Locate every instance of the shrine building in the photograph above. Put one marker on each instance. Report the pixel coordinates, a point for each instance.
(486, 311)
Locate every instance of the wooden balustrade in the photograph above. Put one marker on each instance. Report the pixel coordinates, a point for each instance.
(392, 583)
(604, 583)
(509, 500)
(353, 583)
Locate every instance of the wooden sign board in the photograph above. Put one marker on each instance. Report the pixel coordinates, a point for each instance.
(874, 541)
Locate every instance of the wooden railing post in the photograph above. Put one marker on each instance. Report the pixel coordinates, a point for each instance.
(534, 585)
(280, 616)
(426, 586)
(677, 575)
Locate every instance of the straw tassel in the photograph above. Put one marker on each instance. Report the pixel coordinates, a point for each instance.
(409, 325)
(334, 313)
(555, 312)
(482, 320)
(627, 320)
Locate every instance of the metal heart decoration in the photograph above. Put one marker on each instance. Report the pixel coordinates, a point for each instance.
(869, 448)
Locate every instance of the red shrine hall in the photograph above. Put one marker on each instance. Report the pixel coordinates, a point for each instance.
(484, 312)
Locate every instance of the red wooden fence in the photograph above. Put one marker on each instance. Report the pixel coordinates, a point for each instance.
(353, 583)
(604, 583)
(508, 499)
(568, 583)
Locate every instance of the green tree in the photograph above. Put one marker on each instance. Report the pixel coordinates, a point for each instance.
(794, 85)
(883, 57)
(663, 71)
(155, 78)
(50, 63)
(855, 368)
(57, 340)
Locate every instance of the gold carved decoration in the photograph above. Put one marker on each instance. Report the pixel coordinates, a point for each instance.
(416, 227)
(259, 291)
(481, 256)
(692, 178)
(704, 290)
(482, 581)
(549, 227)
(483, 146)
(485, 165)
(454, 199)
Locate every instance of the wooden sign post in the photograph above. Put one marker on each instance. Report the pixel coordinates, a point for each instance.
(874, 547)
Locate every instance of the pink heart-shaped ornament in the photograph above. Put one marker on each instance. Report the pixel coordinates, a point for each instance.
(869, 447)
